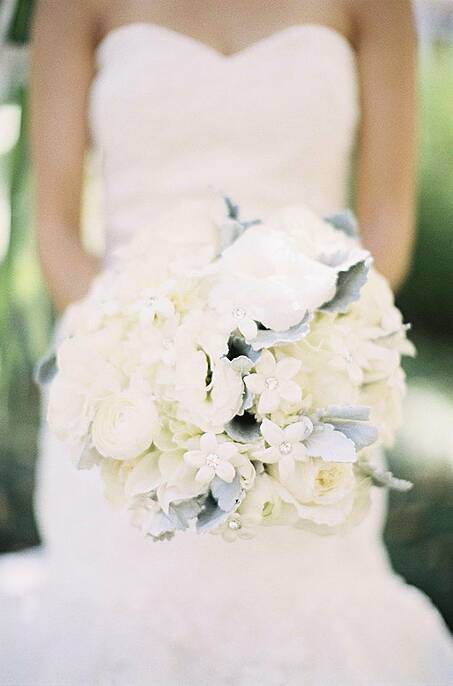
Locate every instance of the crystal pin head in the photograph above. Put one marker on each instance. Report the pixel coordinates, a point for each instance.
(285, 447)
(239, 313)
(271, 383)
(212, 459)
(234, 524)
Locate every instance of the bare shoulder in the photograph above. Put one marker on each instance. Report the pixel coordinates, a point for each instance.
(66, 17)
(388, 21)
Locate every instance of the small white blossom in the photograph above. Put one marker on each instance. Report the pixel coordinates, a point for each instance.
(151, 305)
(231, 307)
(214, 458)
(272, 381)
(285, 445)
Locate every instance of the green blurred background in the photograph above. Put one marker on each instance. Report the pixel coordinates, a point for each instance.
(419, 532)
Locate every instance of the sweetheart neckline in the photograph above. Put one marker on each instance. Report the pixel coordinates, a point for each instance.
(209, 49)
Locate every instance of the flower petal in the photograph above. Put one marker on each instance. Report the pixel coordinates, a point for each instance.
(296, 432)
(194, 458)
(273, 433)
(225, 471)
(288, 367)
(269, 401)
(268, 455)
(226, 450)
(286, 467)
(290, 391)
(205, 474)
(266, 364)
(255, 383)
(248, 329)
(208, 442)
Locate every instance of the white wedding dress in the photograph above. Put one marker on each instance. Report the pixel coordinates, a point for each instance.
(271, 125)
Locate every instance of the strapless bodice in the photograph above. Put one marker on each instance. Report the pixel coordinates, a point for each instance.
(271, 125)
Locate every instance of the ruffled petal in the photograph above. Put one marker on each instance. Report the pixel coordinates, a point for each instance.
(290, 391)
(208, 443)
(266, 364)
(288, 367)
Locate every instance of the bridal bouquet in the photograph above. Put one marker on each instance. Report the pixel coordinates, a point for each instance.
(225, 374)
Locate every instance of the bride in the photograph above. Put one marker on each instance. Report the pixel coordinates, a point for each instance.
(265, 101)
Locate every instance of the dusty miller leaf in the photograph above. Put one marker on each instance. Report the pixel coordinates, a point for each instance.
(384, 478)
(46, 369)
(344, 221)
(349, 285)
(227, 495)
(267, 338)
(243, 428)
(239, 348)
(211, 516)
(352, 422)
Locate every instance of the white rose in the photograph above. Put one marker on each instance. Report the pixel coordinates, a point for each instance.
(124, 425)
(321, 492)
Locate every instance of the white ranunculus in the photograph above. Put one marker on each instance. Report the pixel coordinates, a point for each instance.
(124, 425)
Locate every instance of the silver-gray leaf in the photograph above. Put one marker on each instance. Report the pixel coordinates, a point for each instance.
(267, 338)
(357, 412)
(352, 421)
(227, 495)
(229, 231)
(385, 478)
(238, 348)
(181, 513)
(161, 527)
(46, 369)
(344, 221)
(242, 364)
(349, 285)
(211, 516)
(362, 434)
(243, 428)
(334, 259)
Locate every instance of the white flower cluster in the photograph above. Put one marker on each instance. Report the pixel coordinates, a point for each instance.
(226, 374)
